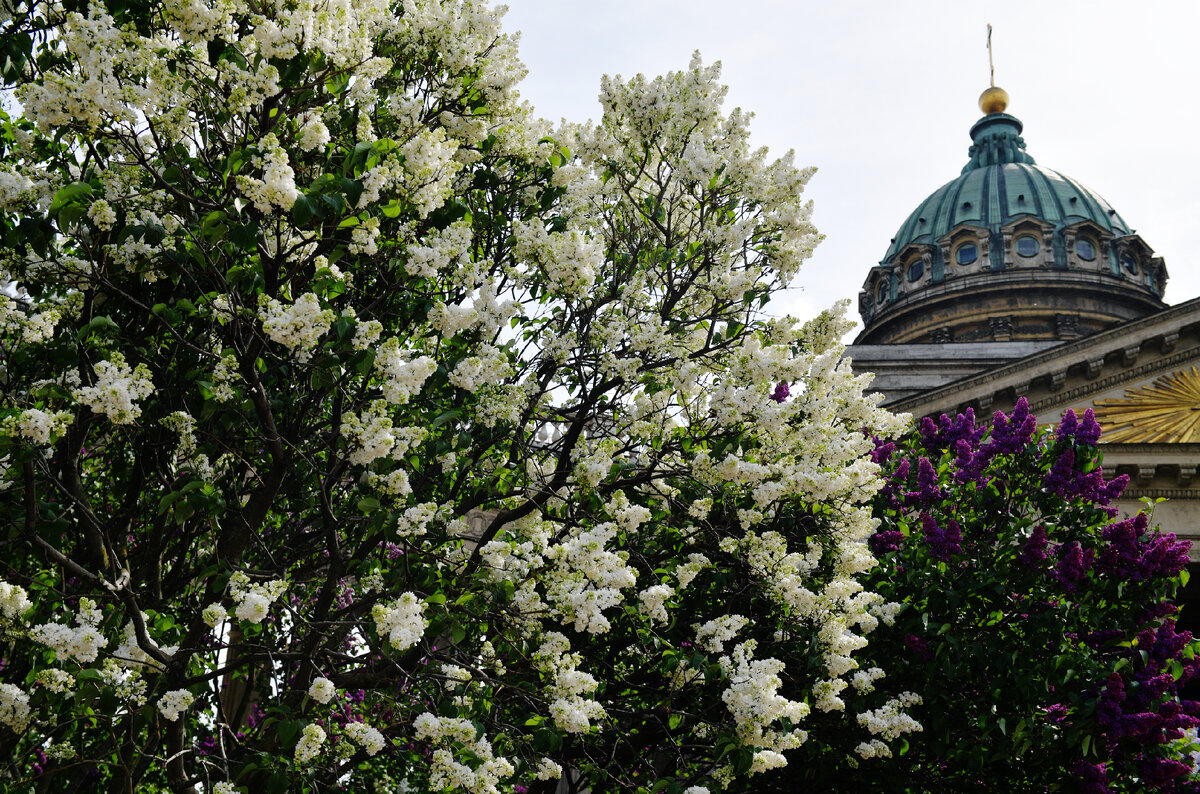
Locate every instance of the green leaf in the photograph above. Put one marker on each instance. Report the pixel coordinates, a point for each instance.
(98, 325)
(303, 210)
(352, 189)
(74, 192)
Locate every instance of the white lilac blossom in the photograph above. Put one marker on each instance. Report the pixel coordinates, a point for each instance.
(322, 690)
(480, 771)
(713, 635)
(41, 427)
(653, 602)
(586, 578)
(81, 642)
(571, 711)
(14, 708)
(254, 599)
(756, 705)
(365, 736)
(130, 654)
(225, 378)
(402, 623)
(117, 390)
(402, 376)
(890, 721)
(14, 603)
(313, 133)
(366, 334)
(174, 703)
(310, 743)
(298, 326)
(549, 770)
(277, 187)
(102, 214)
(370, 436)
(213, 615)
(55, 680)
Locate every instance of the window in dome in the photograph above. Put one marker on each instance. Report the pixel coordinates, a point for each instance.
(1129, 263)
(966, 254)
(916, 269)
(1085, 250)
(881, 292)
(1027, 245)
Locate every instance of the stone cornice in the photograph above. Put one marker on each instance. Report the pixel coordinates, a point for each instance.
(1125, 340)
(1157, 366)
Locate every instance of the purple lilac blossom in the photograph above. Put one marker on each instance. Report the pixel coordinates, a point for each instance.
(882, 452)
(1073, 564)
(944, 542)
(1012, 432)
(1091, 778)
(781, 393)
(1131, 553)
(927, 482)
(886, 541)
(1033, 550)
(918, 646)
(1160, 771)
(947, 432)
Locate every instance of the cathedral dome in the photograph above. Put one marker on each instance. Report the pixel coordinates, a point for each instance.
(1009, 251)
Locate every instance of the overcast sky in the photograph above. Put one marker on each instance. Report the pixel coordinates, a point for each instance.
(880, 96)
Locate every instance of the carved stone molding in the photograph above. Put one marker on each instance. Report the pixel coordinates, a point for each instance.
(1145, 474)
(1116, 379)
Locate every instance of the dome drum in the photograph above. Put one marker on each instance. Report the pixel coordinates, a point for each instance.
(1031, 300)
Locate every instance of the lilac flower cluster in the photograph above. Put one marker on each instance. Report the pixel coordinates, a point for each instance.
(1012, 507)
(944, 542)
(1074, 562)
(1142, 714)
(887, 541)
(1068, 481)
(1086, 432)
(945, 433)
(1011, 433)
(1033, 550)
(1132, 554)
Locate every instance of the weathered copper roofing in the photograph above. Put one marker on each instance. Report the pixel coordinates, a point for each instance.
(999, 184)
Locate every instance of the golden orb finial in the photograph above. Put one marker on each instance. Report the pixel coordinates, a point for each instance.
(993, 100)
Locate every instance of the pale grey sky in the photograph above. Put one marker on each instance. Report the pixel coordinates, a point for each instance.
(880, 97)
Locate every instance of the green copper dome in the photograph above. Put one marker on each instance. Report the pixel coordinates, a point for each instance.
(1008, 251)
(1000, 185)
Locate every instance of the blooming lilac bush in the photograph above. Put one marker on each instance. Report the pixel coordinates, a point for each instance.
(358, 429)
(1037, 626)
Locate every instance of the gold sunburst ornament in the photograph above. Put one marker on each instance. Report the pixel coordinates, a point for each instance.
(1167, 411)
